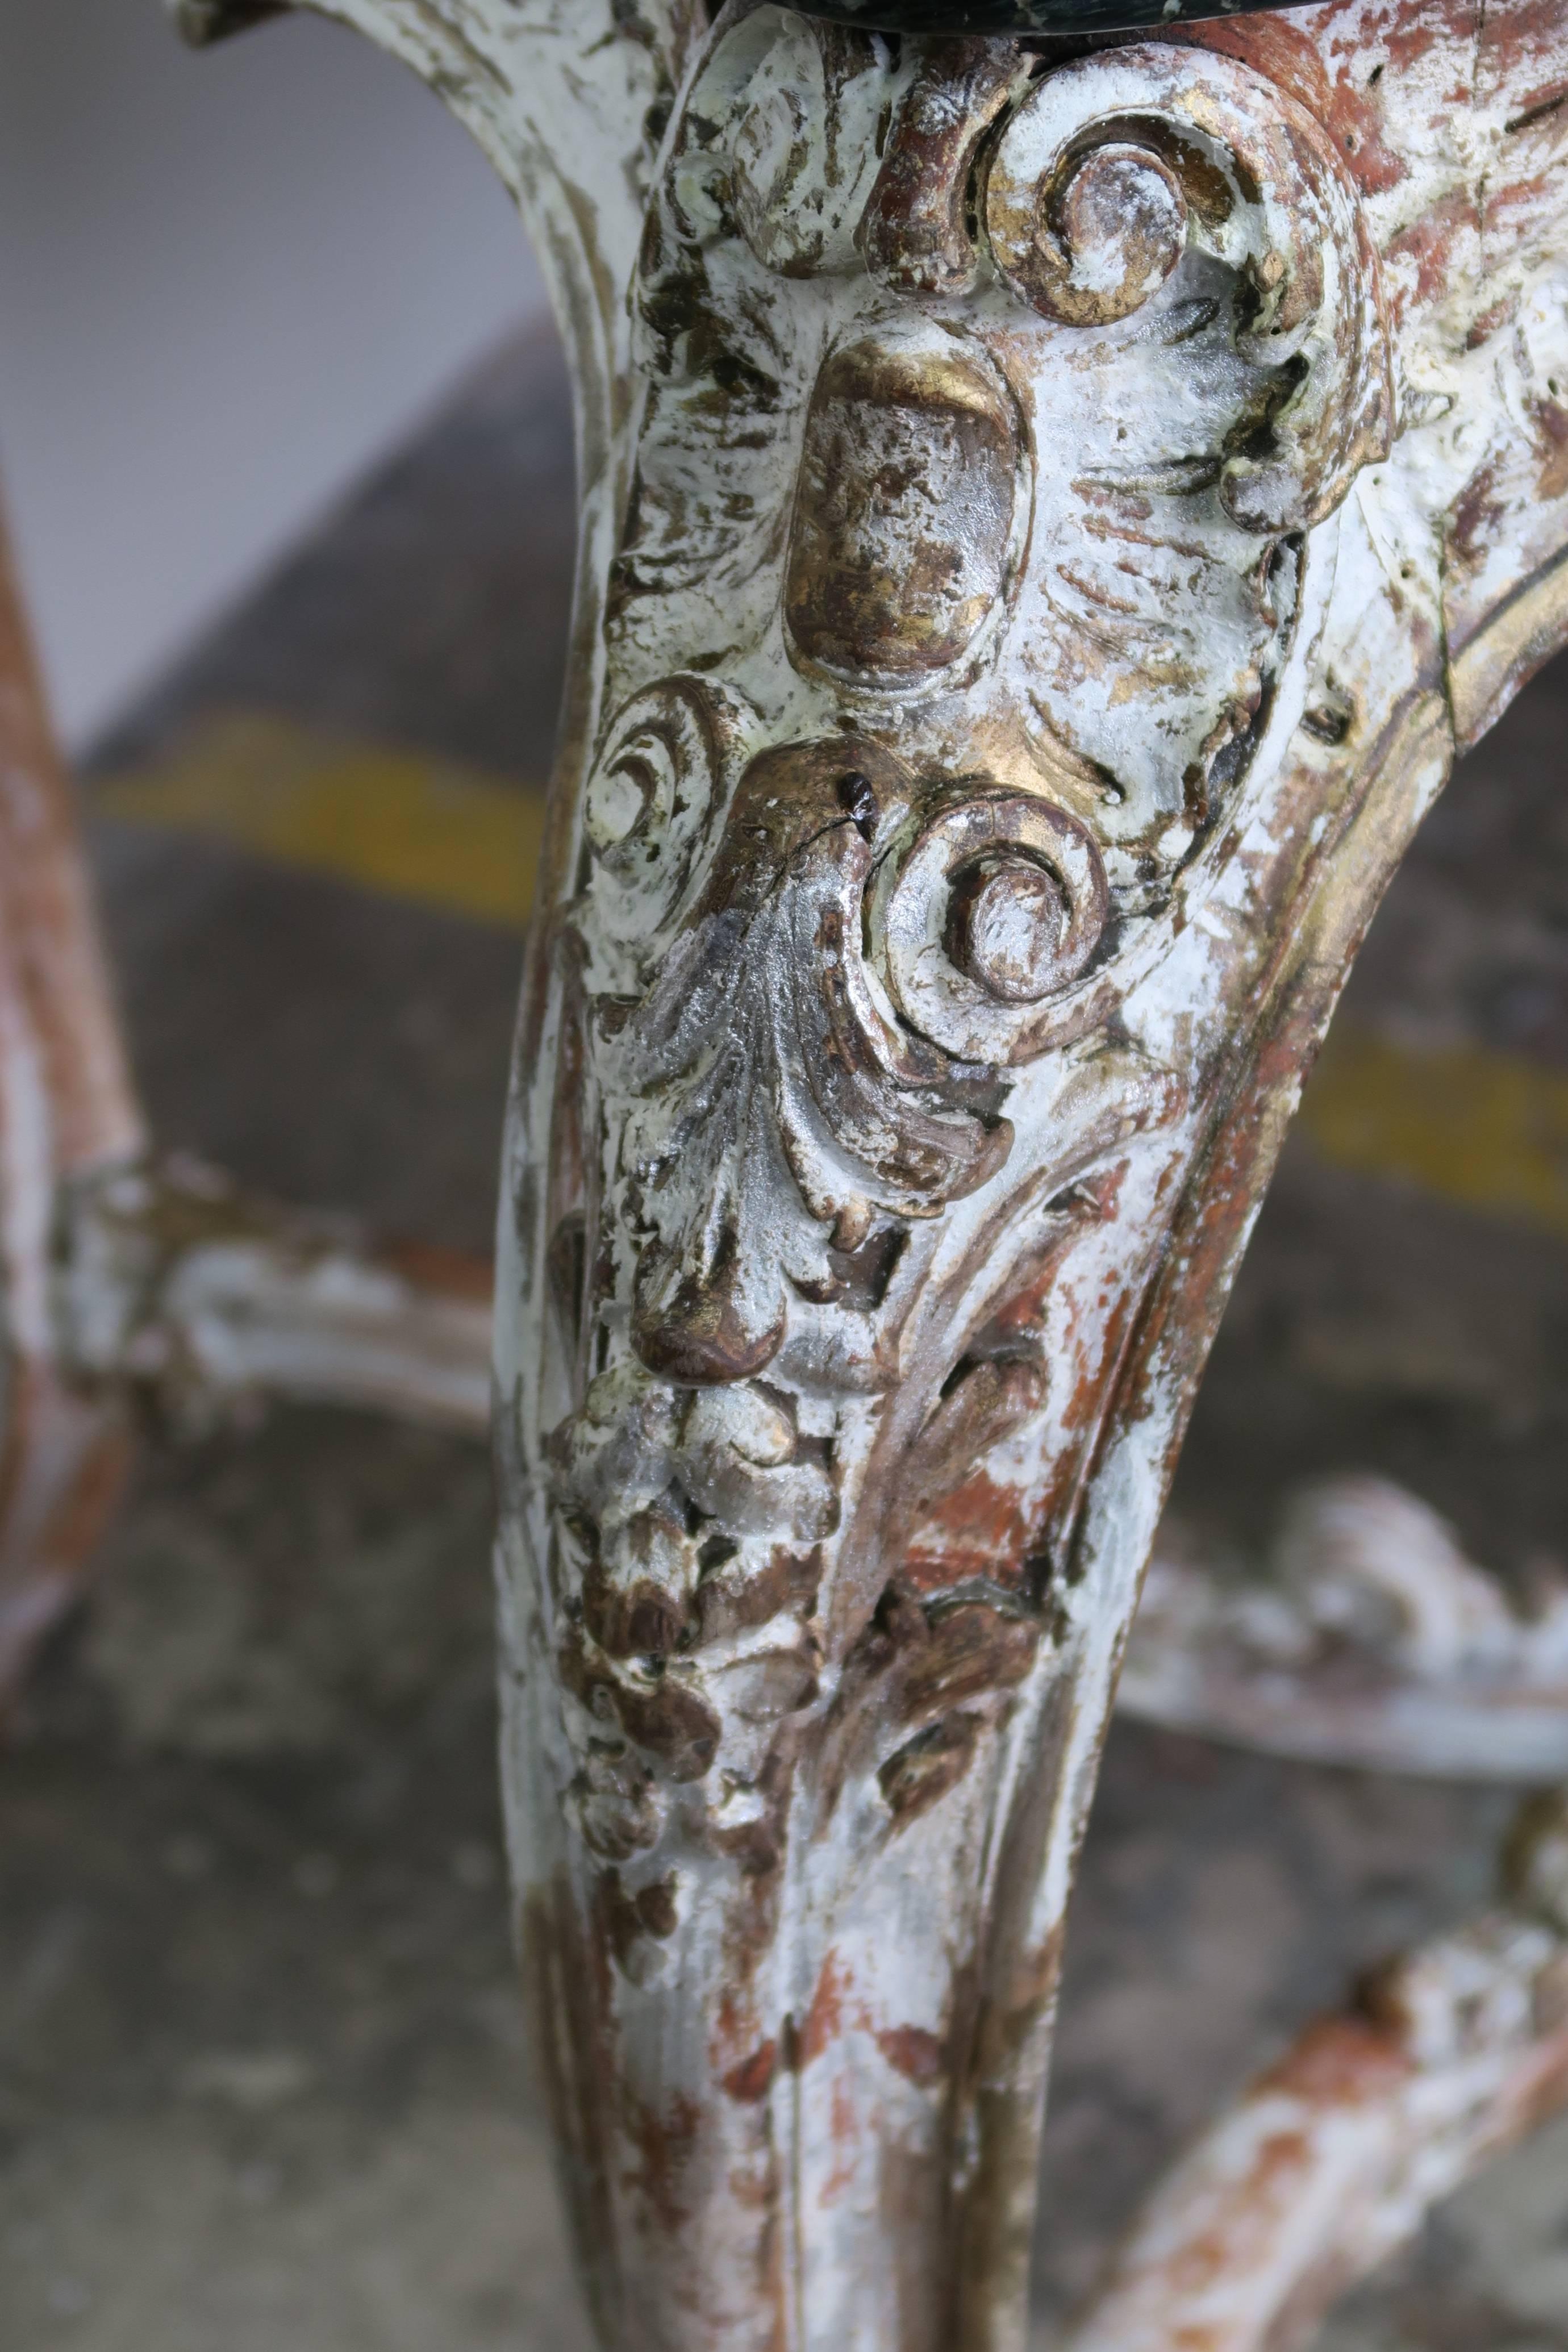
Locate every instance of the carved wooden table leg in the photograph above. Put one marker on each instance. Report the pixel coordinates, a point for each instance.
(118, 1270)
(67, 1109)
(1046, 527)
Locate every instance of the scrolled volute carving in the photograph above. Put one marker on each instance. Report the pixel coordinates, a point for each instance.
(655, 798)
(999, 905)
(1113, 167)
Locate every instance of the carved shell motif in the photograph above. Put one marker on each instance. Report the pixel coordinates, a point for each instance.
(989, 413)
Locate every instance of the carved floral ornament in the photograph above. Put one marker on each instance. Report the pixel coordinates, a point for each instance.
(988, 415)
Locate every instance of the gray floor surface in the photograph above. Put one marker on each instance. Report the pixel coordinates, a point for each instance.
(263, 2084)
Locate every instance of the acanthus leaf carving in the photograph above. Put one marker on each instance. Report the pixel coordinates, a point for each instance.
(781, 1108)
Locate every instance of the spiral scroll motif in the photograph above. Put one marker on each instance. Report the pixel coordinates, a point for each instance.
(1000, 905)
(1114, 165)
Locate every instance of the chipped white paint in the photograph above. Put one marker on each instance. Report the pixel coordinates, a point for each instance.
(1333, 2159)
(1040, 531)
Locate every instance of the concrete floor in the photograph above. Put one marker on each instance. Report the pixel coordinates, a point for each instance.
(262, 2078)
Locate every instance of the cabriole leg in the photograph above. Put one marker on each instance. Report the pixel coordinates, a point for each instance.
(122, 1272)
(67, 1109)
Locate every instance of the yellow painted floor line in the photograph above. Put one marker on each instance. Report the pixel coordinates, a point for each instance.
(404, 822)
(1486, 1131)
(1482, 1130)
